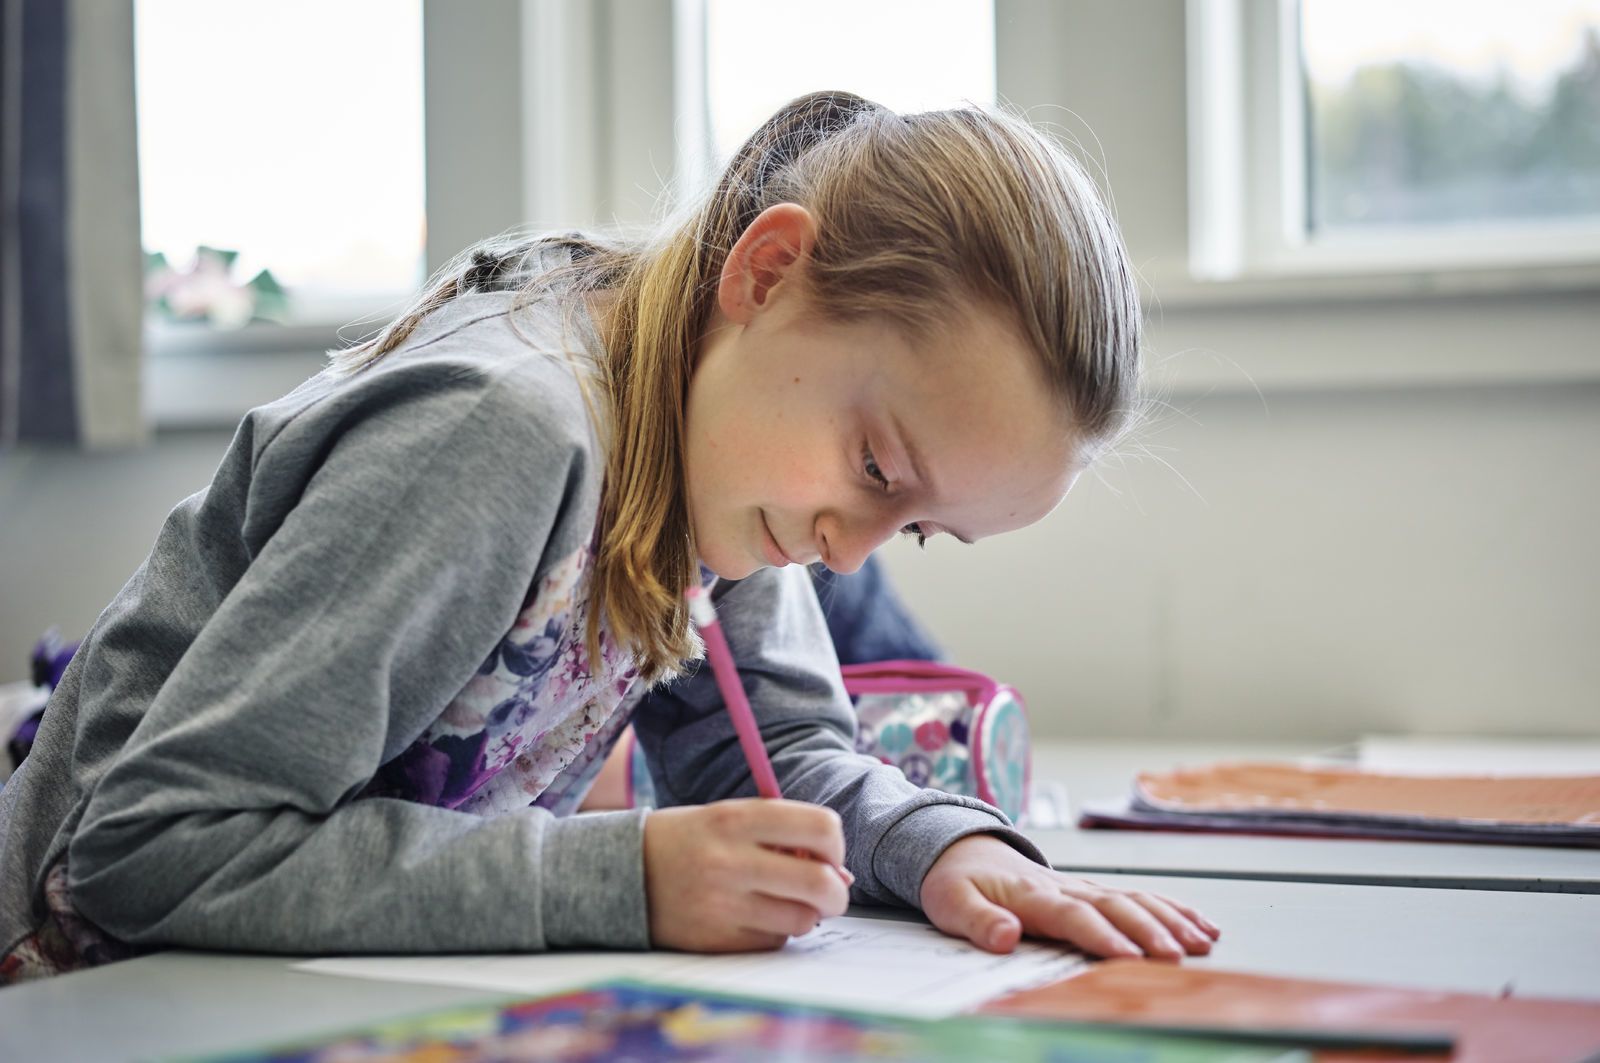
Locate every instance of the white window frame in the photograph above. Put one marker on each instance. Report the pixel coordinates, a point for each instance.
(696, 159)
(1246, 135)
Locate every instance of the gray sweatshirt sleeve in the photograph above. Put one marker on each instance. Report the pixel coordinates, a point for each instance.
(894, 831)
(230, 818)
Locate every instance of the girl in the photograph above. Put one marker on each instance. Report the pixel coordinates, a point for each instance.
(349, 700)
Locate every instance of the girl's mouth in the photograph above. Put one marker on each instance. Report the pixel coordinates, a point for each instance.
(775, 555)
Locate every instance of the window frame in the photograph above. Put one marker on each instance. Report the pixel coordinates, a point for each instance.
(1247, 181)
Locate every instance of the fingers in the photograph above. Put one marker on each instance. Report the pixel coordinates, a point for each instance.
(1048, 911)
(727, 876)
(774, 918)
(783, 825)
(1140, 924)
(796, 878)
(1186, 929)
(1210, 929)
(1109, 922)
(971, 915)
(1183, 922)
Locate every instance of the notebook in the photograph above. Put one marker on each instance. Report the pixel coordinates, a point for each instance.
(1303, 799)
(644, 1023)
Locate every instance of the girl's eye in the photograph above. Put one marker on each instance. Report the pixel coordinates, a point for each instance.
(870, 464)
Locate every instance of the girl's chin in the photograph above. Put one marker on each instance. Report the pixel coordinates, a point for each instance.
(729, 567)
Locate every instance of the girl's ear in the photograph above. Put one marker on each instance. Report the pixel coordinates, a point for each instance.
(772, 250)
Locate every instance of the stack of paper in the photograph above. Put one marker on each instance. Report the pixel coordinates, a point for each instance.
(1288, 798)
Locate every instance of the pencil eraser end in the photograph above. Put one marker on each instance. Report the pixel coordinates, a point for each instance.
(700, 608)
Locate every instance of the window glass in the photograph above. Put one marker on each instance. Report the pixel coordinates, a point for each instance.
(287, 134)
(910, 55)
(1450, 112)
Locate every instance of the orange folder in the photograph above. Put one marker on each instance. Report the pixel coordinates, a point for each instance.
(1267, 788)
(1155, 994)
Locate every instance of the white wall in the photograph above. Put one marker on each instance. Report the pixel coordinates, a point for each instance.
(1311, 566)
(74, 526)
(1397, 535)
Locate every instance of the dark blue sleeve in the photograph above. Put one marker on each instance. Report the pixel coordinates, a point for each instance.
(867, 619)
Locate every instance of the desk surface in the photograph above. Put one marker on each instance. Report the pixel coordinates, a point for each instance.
(1097, 770)
(189, 1002)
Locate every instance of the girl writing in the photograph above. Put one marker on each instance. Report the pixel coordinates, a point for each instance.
(351, 698)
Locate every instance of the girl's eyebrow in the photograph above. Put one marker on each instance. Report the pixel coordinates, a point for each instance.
(906, 445)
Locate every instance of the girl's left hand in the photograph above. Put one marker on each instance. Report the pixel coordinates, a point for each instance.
(983, 890)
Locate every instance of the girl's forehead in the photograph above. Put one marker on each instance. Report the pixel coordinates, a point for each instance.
(975, 369)
(987, 436)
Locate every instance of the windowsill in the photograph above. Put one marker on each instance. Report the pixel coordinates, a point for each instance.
(1177, 289)
(200, 377)
(213, 389)
(197, 377)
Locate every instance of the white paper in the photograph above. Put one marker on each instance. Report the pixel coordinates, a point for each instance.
(879, 965)
(1478, 755)
(882, 965)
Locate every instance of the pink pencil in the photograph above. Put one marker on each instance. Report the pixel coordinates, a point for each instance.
(704, 617)
(733, 696)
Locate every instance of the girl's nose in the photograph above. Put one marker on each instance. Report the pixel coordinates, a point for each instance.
(845, 545)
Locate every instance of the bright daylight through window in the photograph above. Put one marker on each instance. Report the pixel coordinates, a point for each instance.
(280, 158)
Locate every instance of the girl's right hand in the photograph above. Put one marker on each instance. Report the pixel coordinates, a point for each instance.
(725, 877)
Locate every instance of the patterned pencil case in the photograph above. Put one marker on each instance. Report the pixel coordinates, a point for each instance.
(945, 727)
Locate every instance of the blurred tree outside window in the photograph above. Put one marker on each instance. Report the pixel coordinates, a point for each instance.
(280, 157)
(1447, 113)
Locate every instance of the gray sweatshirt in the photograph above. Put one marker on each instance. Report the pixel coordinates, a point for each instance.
(341, 707)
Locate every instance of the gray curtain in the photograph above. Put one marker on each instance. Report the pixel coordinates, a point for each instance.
(71, 300)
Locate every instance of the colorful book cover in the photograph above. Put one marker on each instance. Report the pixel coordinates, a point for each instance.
(641, 1023)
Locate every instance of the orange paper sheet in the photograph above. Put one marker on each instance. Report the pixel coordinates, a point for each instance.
(1281, 788)
(1486, 1029)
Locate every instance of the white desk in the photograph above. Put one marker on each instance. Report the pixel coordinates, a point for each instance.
(1477, 941)
(1096, 770)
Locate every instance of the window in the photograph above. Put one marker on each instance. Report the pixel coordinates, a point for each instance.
(290, 134)
(1366, 135)
(739, 62)
(1419, 117)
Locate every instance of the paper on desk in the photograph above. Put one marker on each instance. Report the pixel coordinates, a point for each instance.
(879, 965)
(1474, 755)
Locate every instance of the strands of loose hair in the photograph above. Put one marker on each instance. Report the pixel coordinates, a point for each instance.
(917, 216)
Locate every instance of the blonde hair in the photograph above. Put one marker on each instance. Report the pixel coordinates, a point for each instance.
(916, 214)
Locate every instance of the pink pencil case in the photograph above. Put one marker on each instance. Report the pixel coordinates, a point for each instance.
(945, 727)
